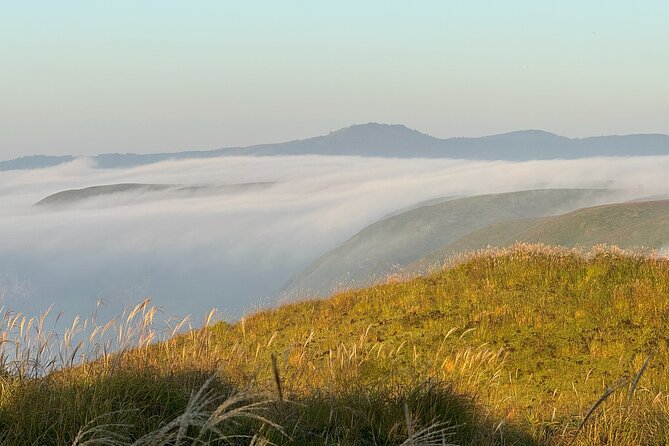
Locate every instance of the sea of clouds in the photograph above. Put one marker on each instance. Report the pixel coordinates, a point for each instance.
(233, 249)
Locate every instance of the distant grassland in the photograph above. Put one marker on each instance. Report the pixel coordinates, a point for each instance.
(509, 346)
(629, 225)
(402, 239)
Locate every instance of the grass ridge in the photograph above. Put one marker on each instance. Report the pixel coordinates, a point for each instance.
(501, 347)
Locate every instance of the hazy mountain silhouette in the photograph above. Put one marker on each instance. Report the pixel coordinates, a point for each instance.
(385, 140)
(34, 162)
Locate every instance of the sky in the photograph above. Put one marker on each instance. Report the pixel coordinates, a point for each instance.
(86, 77)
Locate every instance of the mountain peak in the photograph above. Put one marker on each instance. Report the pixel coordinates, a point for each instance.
(375, 128)
(372, 139)
(530, 134)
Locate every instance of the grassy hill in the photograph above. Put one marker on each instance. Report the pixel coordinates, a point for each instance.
(394, 242)
(507, 347)
(627, 225)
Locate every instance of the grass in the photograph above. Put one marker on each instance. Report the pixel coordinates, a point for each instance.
(502, 347)
(627, 225)
(399, 240)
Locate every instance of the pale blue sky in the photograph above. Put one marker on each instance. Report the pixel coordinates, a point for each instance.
(91, 76)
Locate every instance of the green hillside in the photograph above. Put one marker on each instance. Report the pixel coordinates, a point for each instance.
(394, 242)
(510, 347)
(627, 225)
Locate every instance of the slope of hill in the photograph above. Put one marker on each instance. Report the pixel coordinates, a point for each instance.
(639, 224)
(511, 347)
(399, 240)
(385, 140)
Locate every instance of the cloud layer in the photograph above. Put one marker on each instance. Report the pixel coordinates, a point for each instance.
(234, 249)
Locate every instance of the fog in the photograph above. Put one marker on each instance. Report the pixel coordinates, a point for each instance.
(234, 248)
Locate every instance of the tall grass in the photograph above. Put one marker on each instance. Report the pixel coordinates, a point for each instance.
(513, 346)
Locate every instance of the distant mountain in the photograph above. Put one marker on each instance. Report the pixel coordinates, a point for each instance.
(628, 225)
(34, 162)
(386, 140)
(399, 240)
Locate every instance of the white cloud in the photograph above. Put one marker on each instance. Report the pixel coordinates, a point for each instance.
(234, 250)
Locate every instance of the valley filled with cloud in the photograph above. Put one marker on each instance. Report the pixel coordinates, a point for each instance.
(229, 232)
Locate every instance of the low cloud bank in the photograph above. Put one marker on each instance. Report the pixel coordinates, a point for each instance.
(233, 250)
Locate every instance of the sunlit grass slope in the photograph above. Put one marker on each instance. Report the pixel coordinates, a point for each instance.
(629, 225)
(504, 347)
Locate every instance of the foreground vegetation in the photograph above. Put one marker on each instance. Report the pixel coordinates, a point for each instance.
(529, 346)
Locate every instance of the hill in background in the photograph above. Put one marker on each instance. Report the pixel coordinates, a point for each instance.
(399, 240)
(141, 192)
(627, 225)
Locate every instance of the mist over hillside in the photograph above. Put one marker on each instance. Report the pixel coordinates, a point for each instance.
(419, 238)
(391, 244)
(235, 249)
(386, 140)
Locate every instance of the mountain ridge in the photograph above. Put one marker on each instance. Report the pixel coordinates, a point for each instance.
(397, 140)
